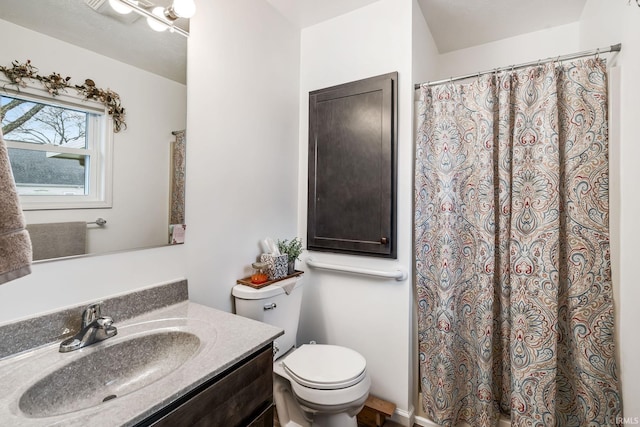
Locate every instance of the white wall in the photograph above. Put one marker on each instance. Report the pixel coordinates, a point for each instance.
(605, 23)
(425, 55)
(515, 50)
(242, 151)
(371, 316)
(59, 284)
(155, 106)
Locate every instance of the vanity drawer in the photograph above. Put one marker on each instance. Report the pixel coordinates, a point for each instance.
(242, 396)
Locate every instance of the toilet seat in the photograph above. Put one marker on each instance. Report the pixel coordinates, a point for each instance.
(318, 398)
(325, 367)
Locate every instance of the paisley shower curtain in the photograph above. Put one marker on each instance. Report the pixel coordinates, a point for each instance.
(512, 249)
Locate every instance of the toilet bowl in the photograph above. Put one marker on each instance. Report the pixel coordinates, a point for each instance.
(314, 385)
(321, 386)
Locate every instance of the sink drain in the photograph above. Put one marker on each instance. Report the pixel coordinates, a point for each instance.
(111, 396)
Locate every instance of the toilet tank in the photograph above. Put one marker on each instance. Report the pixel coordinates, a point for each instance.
(273, 305)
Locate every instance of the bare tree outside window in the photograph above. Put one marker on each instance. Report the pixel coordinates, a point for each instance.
(59, 169)
(28, 121)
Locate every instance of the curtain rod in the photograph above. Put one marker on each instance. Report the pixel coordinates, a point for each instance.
(612, 48)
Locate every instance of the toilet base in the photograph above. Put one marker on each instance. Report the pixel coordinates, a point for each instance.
(335, 416)
(334, 420)
(295, 412)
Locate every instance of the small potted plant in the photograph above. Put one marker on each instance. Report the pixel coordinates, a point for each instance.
(293, 249)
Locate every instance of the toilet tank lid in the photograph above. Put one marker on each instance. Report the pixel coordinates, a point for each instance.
(247, 292)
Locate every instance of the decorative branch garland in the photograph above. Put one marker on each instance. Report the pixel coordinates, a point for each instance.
(19, 74)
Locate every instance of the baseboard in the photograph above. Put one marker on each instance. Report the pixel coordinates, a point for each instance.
(402, 417)
(425, 422)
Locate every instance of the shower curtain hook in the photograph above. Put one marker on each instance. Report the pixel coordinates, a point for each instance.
(558, 64)
(598, 53)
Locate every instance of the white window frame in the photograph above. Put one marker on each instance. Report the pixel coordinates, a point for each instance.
(100, 150)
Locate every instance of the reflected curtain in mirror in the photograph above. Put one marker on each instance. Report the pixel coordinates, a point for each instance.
(178, 170)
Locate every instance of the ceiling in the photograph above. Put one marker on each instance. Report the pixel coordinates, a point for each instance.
(454, 24)
(75, 22)
(458, 24)
(304, 13)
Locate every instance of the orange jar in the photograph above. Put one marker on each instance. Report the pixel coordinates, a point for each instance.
(259, 275)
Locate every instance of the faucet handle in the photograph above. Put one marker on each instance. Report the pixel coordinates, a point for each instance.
(91, 313)
(104, 322)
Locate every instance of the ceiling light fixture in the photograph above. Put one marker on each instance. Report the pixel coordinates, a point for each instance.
(157, 24)
(120, 7)
(181, 9)
(163, 18)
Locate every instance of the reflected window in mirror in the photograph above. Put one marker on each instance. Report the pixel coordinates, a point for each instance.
(150, 77)
(60, 152)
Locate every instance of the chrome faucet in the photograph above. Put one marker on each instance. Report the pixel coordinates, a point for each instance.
(94, 328)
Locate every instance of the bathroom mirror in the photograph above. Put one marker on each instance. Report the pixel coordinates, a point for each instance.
(86, 39)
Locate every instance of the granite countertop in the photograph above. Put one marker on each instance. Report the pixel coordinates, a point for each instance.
(225, 339)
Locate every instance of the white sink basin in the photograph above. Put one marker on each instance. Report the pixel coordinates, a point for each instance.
(155, 359)
(108, 372)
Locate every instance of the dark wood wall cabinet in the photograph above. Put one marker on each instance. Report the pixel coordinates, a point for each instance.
(353, 167)
(240, 396)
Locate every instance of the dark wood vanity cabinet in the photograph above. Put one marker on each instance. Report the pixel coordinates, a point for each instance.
(240, 396)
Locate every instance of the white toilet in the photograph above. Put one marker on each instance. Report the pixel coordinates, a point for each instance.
(315, 385)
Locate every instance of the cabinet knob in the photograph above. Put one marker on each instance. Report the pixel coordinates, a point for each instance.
(384, 240)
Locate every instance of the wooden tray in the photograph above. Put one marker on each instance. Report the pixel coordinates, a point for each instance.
(247, 280)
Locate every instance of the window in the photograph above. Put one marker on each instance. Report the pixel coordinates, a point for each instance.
(60, 152)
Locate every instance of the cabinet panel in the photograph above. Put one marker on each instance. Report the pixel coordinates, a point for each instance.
(241, 397)
(352, 167)
(265, 419)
